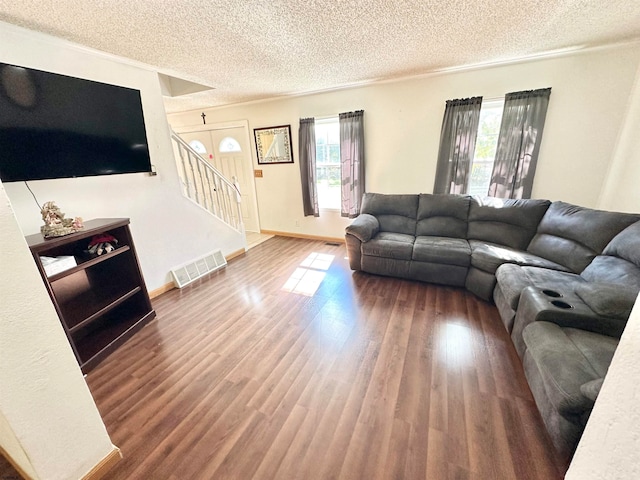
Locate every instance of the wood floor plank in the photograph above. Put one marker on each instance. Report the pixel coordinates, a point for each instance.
(395, 458)
(437, 455)
(372, 435)
(332, 461)
(249, 374)
(288, 446)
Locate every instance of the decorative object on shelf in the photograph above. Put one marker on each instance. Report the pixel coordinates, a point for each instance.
(103, 243)
(55, 224)
(273, 144)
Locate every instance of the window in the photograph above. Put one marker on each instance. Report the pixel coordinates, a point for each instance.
(332, 164)
(328, 163)
(486, 144)
(229, 145)
(198, 146)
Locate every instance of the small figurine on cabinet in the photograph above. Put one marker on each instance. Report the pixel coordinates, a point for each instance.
(103, 243)
(55, 225)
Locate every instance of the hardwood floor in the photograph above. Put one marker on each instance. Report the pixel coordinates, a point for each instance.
(364, 377)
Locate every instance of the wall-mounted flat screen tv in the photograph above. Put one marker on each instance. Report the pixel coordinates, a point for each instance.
(55, 126)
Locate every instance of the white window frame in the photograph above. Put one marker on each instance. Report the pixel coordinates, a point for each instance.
(319, 122)
(487, 105)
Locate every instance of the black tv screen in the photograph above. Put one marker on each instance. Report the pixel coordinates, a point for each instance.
(55, 126)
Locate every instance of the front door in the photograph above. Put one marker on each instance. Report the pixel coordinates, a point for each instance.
(227, 149)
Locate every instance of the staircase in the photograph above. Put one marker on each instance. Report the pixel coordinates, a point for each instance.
(207, 186)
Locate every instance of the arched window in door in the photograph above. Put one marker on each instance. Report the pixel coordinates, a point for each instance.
(198, 146)
(229, 145)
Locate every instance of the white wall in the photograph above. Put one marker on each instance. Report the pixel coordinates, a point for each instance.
(621, 190)
(402, 129)
(10, 446)
(167, 228)
(49, 423)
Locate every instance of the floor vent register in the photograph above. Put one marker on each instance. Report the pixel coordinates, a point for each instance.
(198, 268)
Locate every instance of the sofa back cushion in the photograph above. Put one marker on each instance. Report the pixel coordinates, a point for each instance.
(506, 222)
(620, 261)
(442, 215)
(572, 236)
(395, 213)
(626, 244)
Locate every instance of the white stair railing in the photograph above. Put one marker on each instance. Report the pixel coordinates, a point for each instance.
(207, 186)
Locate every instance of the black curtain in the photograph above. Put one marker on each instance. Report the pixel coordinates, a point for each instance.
(307, 155)
(351, 162)
(457, 144)
(519, 143)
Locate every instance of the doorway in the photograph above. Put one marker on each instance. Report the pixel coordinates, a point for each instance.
(228, 148)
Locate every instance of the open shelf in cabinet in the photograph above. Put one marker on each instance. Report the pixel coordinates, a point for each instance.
(108, 331)
(88, 263)
(102, 300)
(107, 303)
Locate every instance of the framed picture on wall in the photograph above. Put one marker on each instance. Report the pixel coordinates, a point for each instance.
(273, 144)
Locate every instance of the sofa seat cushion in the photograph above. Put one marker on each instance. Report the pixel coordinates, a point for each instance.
(489, 256)
(449, 251)
(513, 279)
(567, 359)
(398, 246)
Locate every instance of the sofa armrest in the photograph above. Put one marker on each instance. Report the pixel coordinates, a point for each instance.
(577, 404)
(566, 311)
(354, 252)
(591, 322)
(598, 307)
(557, 369)
(608, 300)
(364, 227)
(583, 402)
(591, 389)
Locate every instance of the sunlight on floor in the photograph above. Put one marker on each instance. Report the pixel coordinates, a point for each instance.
(306, 279)
(318, 261)
(455, 344)
(330, 331)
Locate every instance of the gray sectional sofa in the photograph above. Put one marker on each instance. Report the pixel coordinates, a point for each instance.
(563, 277)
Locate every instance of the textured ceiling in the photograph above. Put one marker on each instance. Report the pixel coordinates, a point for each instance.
(253, 49)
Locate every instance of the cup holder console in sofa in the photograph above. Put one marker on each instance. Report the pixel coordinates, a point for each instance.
(551, 293)
(561, 304)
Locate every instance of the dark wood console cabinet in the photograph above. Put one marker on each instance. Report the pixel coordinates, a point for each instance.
(101, 301)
